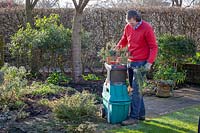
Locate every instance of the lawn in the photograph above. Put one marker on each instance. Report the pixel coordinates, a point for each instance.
(183, 121)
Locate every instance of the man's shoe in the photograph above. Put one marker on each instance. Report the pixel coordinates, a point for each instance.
(142, 119)
(129, 122)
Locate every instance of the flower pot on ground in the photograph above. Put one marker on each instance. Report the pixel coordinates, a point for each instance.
(164, 88)
(167, 78)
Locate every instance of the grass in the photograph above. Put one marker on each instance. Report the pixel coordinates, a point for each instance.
(183, 121)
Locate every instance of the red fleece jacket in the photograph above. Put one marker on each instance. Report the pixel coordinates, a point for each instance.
(141, 42)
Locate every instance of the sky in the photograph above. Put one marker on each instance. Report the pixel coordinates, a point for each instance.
(63, 2)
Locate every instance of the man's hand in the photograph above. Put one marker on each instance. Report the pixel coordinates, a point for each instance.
(116, 48)
(148, 66)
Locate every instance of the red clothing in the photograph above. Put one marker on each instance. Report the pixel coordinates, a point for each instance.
(141, 42)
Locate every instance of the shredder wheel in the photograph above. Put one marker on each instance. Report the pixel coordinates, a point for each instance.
(103, 112)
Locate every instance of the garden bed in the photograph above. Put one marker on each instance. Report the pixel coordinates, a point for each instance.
(192, 73)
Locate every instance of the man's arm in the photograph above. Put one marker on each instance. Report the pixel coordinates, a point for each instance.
(151, 41)
(123, 41)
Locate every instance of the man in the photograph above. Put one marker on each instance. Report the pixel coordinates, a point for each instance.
(142, 49)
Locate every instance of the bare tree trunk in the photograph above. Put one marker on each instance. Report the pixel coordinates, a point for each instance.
(180, 4)
(76, 39)
(76, 46)
(28, 11)
(29, 6)
(177, 3)
(29, 17)
(35, 60)
(173, 3)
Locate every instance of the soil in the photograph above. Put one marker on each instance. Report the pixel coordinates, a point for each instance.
(39, 115)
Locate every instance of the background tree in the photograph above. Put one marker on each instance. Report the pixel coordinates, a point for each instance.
(29, 6)
(177, 3)
(47, 4)
(186, 3)
(76, 38)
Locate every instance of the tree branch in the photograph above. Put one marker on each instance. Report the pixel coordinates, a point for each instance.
(85, 2)
(54, 3)
(176, 2)
(27, 4)
(190, 3)
(172, 2)
(75, 4)
(80, 2)
(180, 4)
(34, 3)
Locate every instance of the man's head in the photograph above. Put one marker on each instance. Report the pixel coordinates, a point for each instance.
(133, 17)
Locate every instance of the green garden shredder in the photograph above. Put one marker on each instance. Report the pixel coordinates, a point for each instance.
(115, 96)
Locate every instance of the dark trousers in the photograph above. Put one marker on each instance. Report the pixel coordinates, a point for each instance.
(137, 103)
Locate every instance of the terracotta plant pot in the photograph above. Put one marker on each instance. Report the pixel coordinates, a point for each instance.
(163, 89)
(113, 60)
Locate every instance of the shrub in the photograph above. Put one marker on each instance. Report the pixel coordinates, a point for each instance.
(173, 52)
(41, 89)
(195, 59)
(76, 107)
(175, 49)
(56, 78)
(13, 86)
(90, 77)
(169, 73)
(43, 46)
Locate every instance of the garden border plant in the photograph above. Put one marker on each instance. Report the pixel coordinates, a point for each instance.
(173, 53)
(46, 45)
(13, 87)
